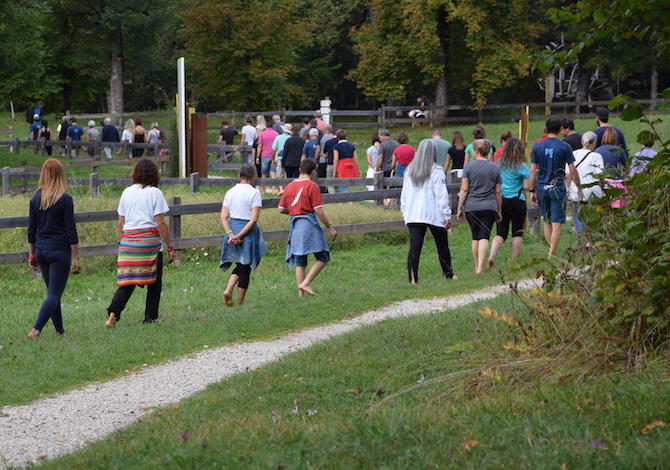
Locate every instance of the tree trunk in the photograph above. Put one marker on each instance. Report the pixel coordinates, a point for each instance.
(116, 75)
(440, 109)
(653, 87)
(581, 93)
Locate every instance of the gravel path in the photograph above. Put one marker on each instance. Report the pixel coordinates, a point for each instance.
(62, 424)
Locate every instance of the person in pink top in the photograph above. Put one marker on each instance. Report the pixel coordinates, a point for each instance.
(402, 155)
(265, 152)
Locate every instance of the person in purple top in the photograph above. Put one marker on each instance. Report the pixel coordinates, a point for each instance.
(641, 159)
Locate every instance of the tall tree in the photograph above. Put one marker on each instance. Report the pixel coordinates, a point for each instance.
(245, 53)
(413, 42)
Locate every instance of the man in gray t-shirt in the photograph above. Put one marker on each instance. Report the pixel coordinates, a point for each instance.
(386, 148)
(483, 176)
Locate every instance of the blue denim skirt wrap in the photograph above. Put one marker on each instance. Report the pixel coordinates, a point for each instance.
(304, 237)
(250, 251)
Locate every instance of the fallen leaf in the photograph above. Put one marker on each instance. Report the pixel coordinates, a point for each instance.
(355, 390)
(651, 426)
(471, 444)
(42, 457)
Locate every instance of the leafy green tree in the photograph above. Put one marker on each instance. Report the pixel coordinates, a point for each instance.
(27, 71)
(411, 42)
(245, 54)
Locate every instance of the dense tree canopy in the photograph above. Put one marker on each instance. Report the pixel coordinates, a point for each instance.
(102, 55)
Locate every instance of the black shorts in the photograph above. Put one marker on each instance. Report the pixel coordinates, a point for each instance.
(514, 212)
(481, 223)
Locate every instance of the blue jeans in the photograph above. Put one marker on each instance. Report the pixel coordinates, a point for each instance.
(341, 189)
(400, 170)
(551, 198)
(55, 268)
(266, 163)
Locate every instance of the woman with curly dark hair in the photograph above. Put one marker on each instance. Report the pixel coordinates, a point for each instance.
(142, 232)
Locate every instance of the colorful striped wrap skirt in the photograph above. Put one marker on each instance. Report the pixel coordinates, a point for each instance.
(139, 250)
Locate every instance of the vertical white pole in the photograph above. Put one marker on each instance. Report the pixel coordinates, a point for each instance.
(181, 113)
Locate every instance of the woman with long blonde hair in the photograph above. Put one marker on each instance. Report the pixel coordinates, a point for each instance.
(53, 241)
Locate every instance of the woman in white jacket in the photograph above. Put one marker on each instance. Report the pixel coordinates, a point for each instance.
(424, 203)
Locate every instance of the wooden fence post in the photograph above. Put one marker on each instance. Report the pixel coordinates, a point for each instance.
(194, 182)
(94, 184)
(5, 181)
(175, 228)
(126, 148)
(163, 168)
(379, 186)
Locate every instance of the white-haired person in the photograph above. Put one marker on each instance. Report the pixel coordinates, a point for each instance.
(277, 124)
(589, 164)
(243, 242)
(93, 137)
(109, 134)
(424, 203)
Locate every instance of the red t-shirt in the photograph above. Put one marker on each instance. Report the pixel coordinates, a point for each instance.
(404, 154)
(498, 154)
(301, 197)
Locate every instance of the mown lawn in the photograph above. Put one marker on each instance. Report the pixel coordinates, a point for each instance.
(366, 272)
(360, 405)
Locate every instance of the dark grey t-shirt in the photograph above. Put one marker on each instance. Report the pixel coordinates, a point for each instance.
(386, 150)
(484, 175)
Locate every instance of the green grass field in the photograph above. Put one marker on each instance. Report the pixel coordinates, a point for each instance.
(366, 272)
(372, 413)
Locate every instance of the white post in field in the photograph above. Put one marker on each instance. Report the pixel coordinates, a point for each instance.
(325, 109)
(181, 116)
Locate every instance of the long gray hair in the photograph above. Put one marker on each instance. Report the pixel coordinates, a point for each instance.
(421, 167)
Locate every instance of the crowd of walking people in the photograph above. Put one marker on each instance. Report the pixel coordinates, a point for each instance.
(494, 183)
(93, 137)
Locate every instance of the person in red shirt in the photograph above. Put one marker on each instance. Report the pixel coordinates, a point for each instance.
(303, 202)
(402, 155)
(503, 139)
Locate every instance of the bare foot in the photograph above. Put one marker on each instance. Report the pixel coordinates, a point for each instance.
(34, 334)
(228, 299)
(111, 321)
(300, 293)
(306, 289)
(454, 278)
(492, 264)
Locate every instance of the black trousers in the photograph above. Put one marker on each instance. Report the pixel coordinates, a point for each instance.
(292, 171)
(123, 294)
(417, 233)
(244, 273)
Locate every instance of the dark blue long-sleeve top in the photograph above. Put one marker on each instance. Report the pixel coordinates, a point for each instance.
(54, 228)
(110, 133)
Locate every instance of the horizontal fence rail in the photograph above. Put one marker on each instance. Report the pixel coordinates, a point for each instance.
(385, 188)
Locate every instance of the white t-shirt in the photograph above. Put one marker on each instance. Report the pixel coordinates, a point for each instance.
(154, 135)
(240, 199)
(592, 165)
(249, 134)
(127, 135)
(140, 206)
